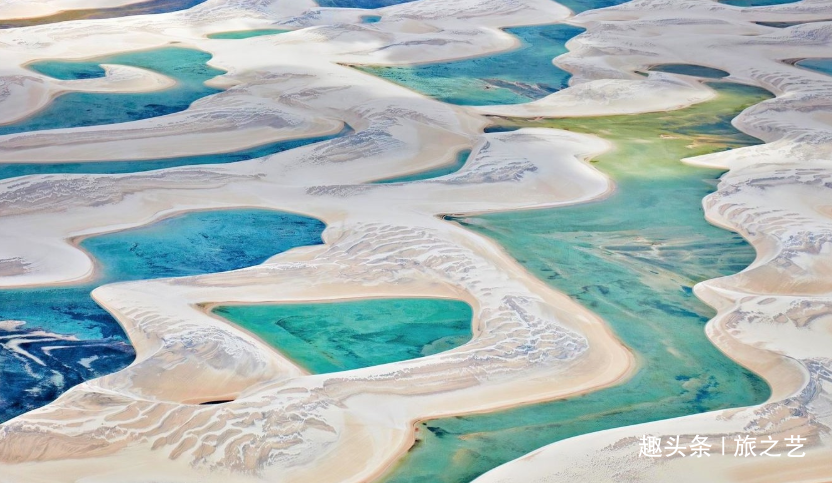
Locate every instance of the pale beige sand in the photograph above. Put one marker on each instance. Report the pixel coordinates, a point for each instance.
(11, 9)
(774, 317)
(28, 94)
(531, 343)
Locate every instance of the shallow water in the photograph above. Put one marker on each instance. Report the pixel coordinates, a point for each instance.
(782, 25)
(67, 338)
(518, 76)
(338, 336)
(756, 3)
(11, 170)
(692, 70)
(633, 259)
(368, 4)
(68, 70)
(75, 109)
(579, 6)
(143, 8)
(824, 66)
(458, 163)
(245, 34)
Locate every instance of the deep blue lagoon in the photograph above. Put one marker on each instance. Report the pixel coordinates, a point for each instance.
(67, 338)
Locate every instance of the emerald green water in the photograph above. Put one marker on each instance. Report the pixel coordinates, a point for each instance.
(76, 109)
(332, 337)
(458, 163)
(245, 34)
(633, 259)
(521, 75)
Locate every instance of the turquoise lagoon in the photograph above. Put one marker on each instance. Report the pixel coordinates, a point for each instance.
(338, 336)
(95, 345)
(75, 109)
(246, 34)
(632, 258)
(459, 162)
(521, 75)
(824, 66)
(141, 8)
(11, 170)
(579, 6)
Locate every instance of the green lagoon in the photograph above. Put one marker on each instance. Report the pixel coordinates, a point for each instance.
(633, 259)
(338, 336)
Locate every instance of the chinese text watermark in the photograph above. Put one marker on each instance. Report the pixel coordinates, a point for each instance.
(743, 446)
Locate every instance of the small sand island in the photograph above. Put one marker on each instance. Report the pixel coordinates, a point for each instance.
(392, 241)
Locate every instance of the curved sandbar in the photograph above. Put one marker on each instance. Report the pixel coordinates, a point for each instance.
(187, 67)
(769, 315)
(60, 337)
(12, 170)
(134, 7)
(381, 230)
(632, 258)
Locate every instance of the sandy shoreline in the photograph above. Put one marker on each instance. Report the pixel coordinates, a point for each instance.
(530, 342)
(744, 301)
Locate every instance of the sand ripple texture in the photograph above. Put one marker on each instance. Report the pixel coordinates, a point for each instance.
(530, 342)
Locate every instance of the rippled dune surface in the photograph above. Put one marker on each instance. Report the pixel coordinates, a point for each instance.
(431, 240)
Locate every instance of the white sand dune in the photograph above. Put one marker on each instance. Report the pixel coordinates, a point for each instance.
(773, 317)
(531, 343)
(13, 9)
